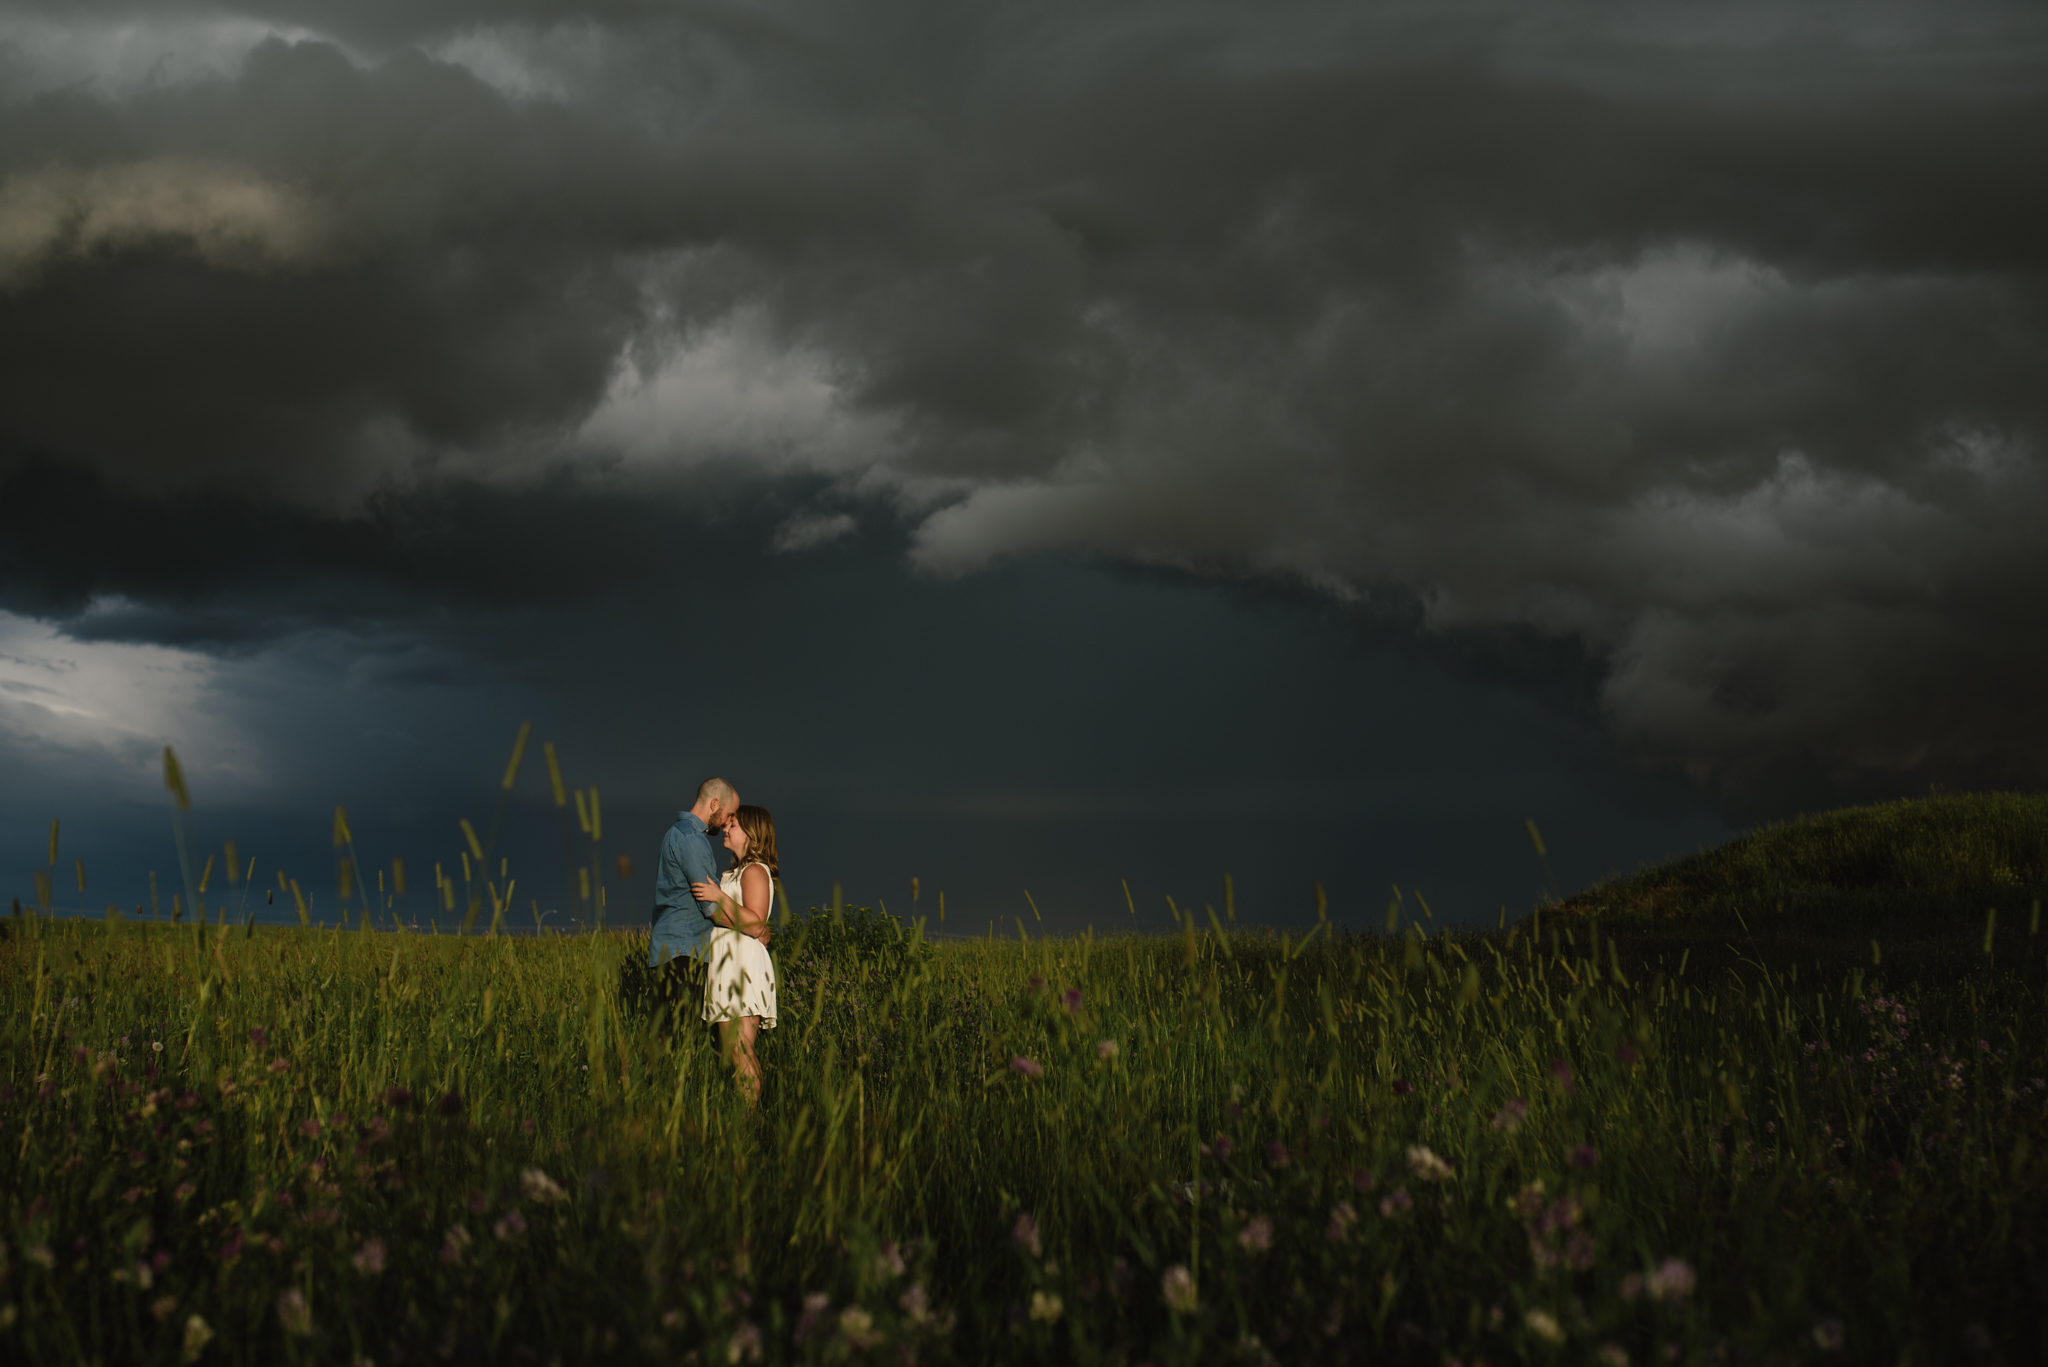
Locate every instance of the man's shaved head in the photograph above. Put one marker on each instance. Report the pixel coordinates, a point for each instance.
(719, 791)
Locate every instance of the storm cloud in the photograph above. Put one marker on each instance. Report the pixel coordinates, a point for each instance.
(1710, 343)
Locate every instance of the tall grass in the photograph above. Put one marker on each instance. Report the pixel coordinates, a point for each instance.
(1546, 1144)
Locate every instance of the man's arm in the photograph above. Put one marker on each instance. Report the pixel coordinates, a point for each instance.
(699, 866)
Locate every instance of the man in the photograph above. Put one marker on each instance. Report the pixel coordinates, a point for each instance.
(682, 924)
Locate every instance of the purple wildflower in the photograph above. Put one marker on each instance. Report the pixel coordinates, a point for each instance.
(1177, 1286)
(293, 1312)
(369, 1259)
(1671, 1280)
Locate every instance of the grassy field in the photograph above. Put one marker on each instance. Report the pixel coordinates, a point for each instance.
(1694, 1117)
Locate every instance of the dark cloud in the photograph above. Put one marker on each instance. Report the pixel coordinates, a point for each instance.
(1687, 360)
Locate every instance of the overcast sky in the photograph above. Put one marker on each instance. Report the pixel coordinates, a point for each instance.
(1025, 446)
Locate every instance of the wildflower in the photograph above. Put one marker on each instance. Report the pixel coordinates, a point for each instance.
(1584, 1157)
(509, 1226)
(1028, 1067)
(1257, 1234)
(541, 1188)
(156, 1046)
(1361, 1179)
(1544, 1326)
(130, 1195)
(280, 1065)
(1511, 1115)
(1045, 1307)
(1105, 1048)
(309, 1127)
(815, 1305)
(858, 1327)
(1562, 1071)
(914, 1304)
(1402, 1087)
(1026, 1234)
(454, 1243)
(744, 1345)
(1670, 1280)
(1396, 1203)
(1343, 1216)
(1178, 1289)
(398, 1098)
(259, 1037)
(1036, 983)
(1611, 1355)
(1072, 999)
(1276, 1155)
(1219, 1148)
(163, 1307)
(369, 1259)
(293, 1312)
(1828, 1335)
(1426, 1165)
(197, 1335)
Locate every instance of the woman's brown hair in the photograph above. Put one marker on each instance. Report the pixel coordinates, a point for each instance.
(760, 829)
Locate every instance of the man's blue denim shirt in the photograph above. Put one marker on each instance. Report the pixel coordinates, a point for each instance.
(682, 924)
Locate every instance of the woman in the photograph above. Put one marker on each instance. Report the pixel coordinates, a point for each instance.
(739, 989)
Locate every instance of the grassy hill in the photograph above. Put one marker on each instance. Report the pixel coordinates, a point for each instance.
(1935, 858)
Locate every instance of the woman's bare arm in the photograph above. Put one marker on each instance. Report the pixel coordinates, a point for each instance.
(752, 917)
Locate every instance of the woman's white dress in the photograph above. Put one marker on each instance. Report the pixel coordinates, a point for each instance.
(741, 980)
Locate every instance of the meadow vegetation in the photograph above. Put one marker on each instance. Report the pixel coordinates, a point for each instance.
(1666, 1122)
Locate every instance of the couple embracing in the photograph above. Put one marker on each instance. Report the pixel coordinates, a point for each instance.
(711, 933)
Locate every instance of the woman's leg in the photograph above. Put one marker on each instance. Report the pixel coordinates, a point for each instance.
(738, 1037)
